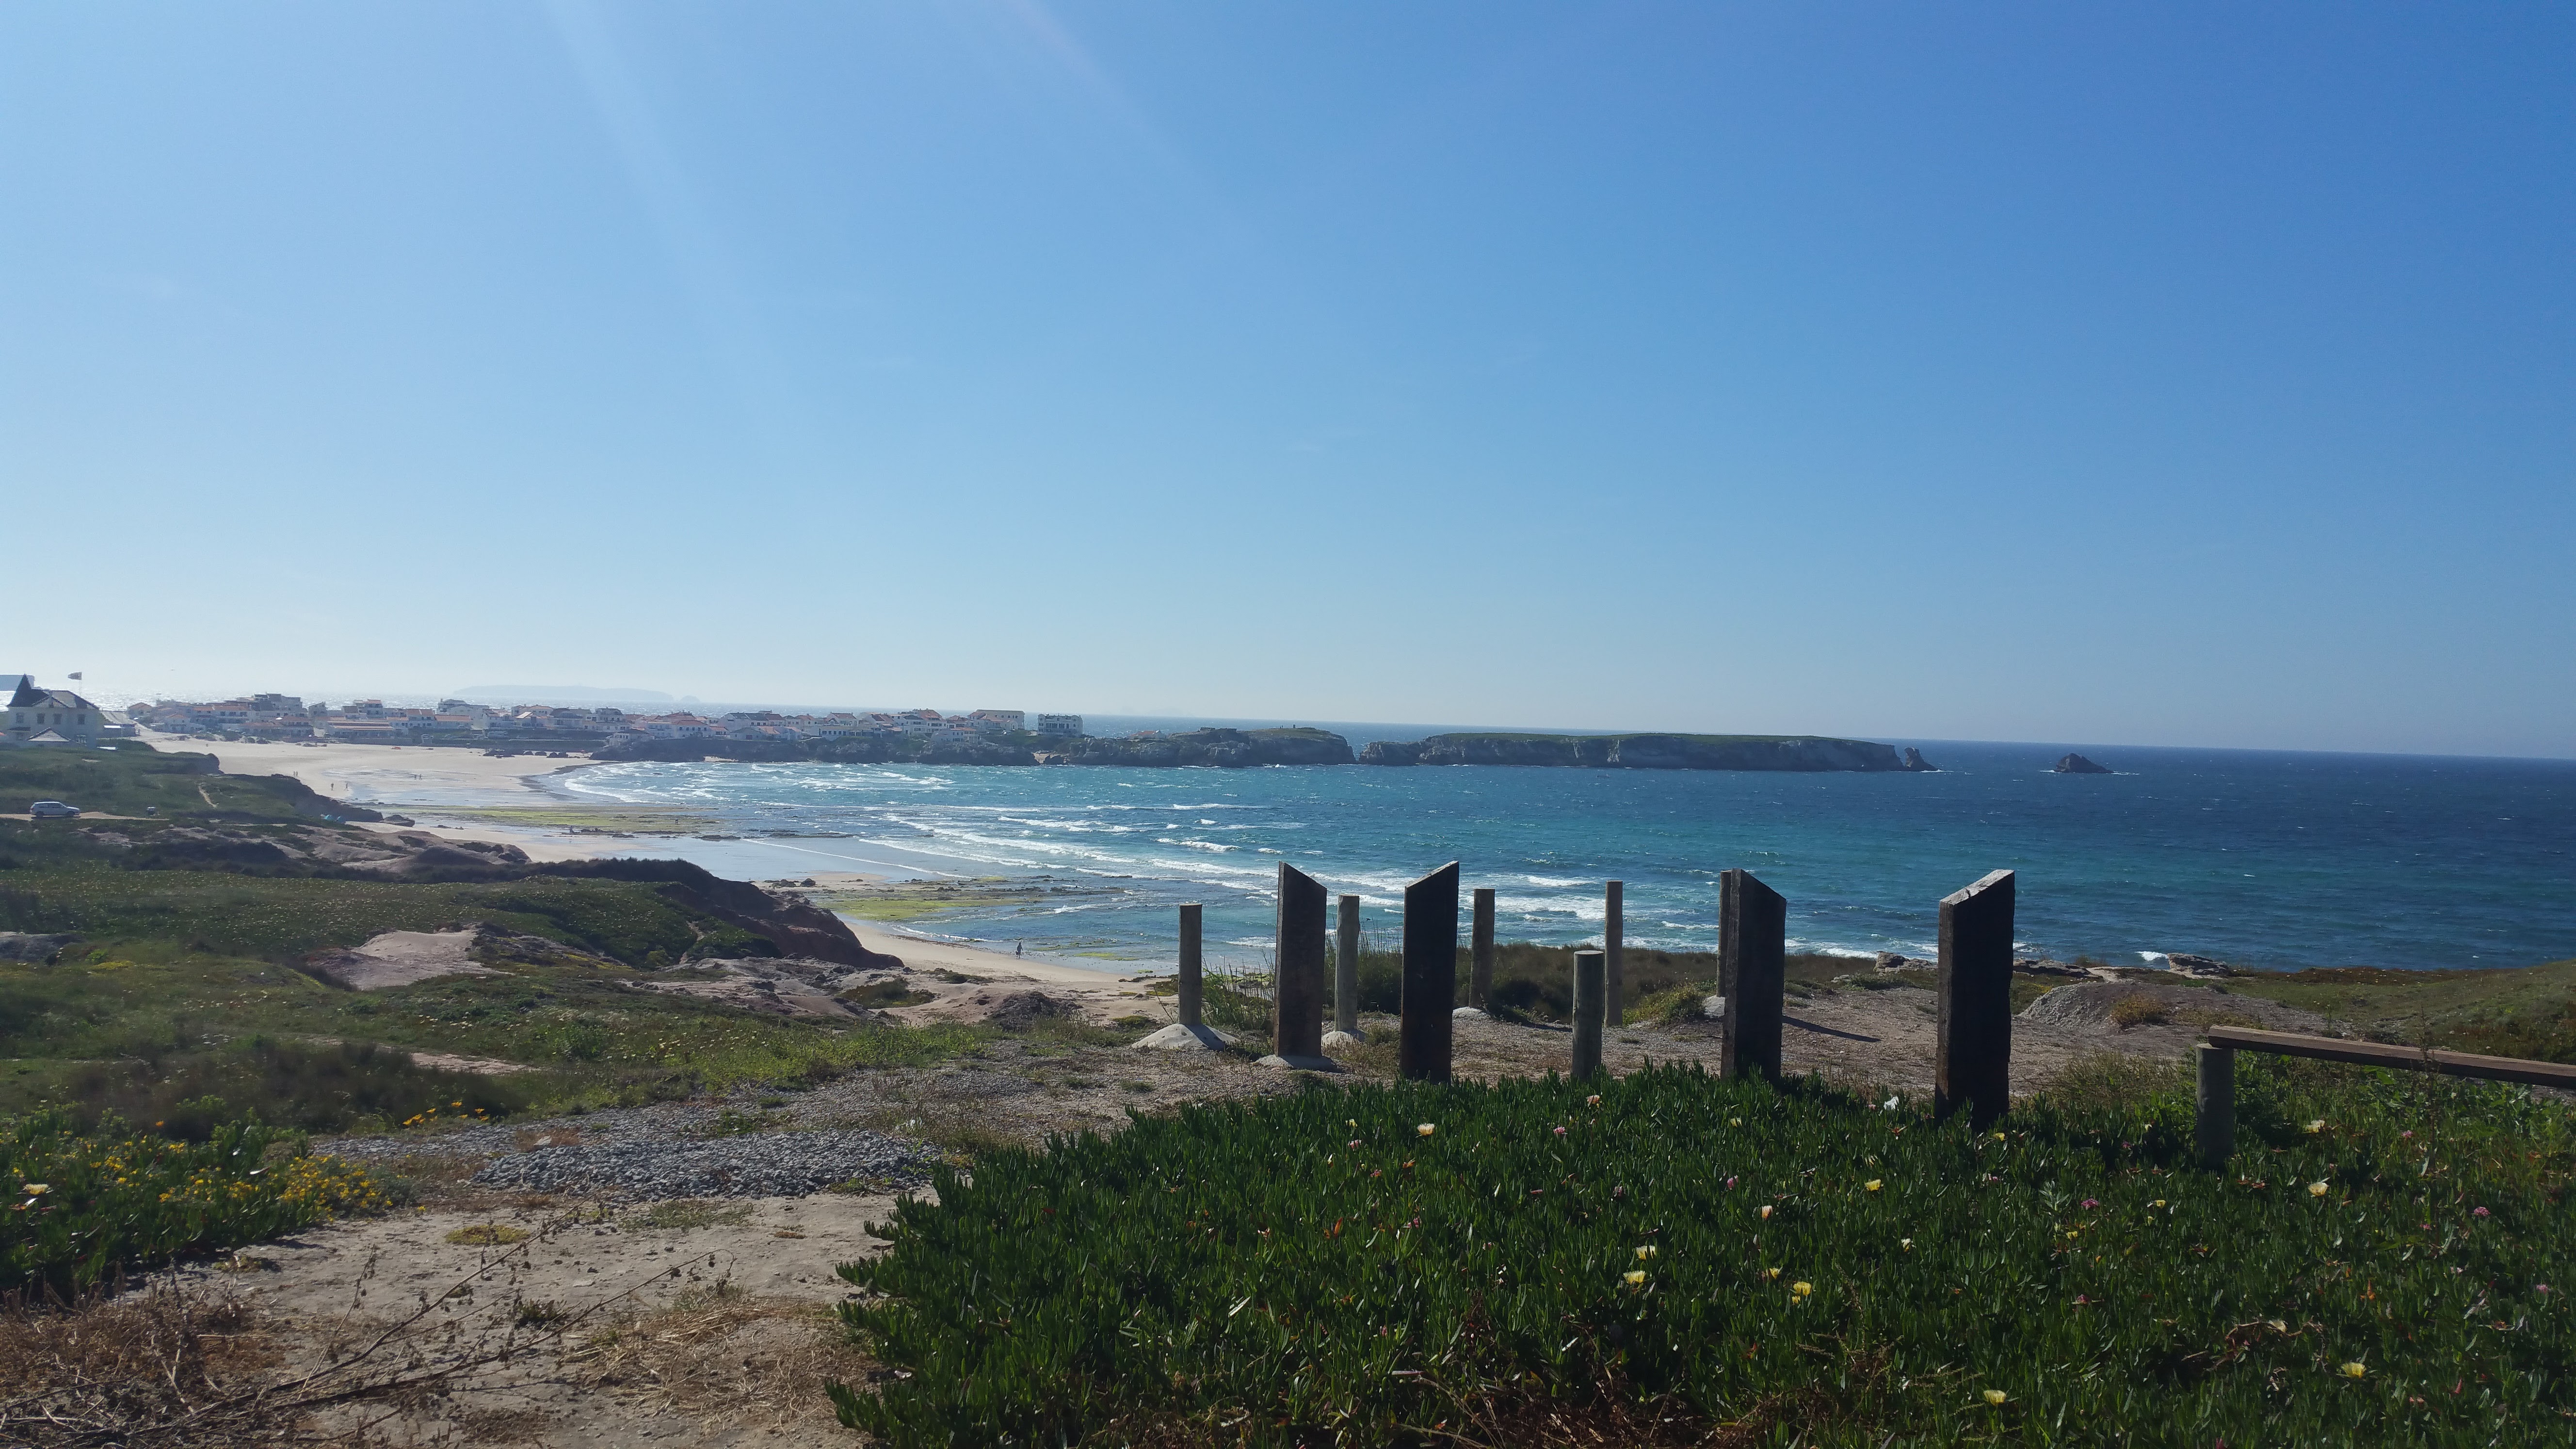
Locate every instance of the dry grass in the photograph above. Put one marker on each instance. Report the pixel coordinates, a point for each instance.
(752, 1363)
(2139, 1009)
(135, 1370)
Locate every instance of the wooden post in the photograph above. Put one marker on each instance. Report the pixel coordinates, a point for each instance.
(2214, 1100)
(1614, 947)
(1346, 971)
(1192, 1004)
(1752, 969)
(1591, 981)
(1480, 970)
(1297, 992)
(1430, 975)
(1972, 1064)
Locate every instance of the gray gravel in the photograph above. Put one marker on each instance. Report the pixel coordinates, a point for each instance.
(766, 1164)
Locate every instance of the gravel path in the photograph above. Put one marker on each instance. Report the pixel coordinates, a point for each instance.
(766, 1164)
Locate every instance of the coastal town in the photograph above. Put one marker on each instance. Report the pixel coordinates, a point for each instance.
(287, 718)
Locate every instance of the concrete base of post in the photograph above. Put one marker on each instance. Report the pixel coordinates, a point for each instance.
(1468, 1013)
(1299, 1063)
(1181, 1037)
(1335, 1041)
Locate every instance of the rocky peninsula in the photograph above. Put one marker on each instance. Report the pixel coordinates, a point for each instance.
(1647, 752)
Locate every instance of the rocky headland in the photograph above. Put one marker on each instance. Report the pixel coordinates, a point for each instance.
(2075, 764)
(1647, 752)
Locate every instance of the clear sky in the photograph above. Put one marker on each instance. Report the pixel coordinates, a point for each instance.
(2160, 374)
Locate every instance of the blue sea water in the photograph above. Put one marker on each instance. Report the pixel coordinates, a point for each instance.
(2269, 860)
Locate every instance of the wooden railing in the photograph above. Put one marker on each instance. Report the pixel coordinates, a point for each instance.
(2215, 1098)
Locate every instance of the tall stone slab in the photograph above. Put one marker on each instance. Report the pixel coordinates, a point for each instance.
(1346, 971)
(1614, 950)
(1430, 975)
(1591, 982)
(1752, 966)
(1972, 1064)
(1297, 1020)
(1193, 1003)
(1480, 960)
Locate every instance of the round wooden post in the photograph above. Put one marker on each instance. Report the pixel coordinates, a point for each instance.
(1614, 950)
(2214, 1101)
(1591, 981)
(1346, 970)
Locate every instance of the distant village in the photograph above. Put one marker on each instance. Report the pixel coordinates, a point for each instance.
(66, 718)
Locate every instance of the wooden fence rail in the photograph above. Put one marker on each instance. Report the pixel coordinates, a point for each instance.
(2214, 1096)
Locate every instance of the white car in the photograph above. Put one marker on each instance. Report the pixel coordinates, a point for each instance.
(52, 810)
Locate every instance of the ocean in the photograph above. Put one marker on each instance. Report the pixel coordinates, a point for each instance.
(2264, 859)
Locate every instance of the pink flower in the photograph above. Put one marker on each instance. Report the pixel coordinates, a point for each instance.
(1560, 1131)
(2402, 1136)
(1355, 1142)
(1730, 1184)
(2088, 1202)
(2481, 1212)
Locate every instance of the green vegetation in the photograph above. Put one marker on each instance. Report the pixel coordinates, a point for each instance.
(87, 1207)
(182, 1001)
(2526, 1012)
(684, 1214)
(1665, 1256)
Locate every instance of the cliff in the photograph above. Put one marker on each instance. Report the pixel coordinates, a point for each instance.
(1644, 752)
(1214, 747)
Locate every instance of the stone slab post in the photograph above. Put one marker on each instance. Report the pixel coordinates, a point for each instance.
(1430, 975)
(1752, 965)
(1972, 1065)
(2214, 1097)
(1591, 983)
(1193, 1004)
(1614, 949)
(1346, 971)
(1297, 991)
(1480, 968)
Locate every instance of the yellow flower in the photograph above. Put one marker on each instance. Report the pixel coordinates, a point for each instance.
(1802, 1289)
(2318, 1125)
(1766, 1210)
(1994, 1396)
(1998, 1137)
(1870, 1186)
(1424, 1129)
(2159, 1202)
(1636, 1279)
(2316, 1189)
(2278, 1325)
(1770, 1272)
(37, 1189)
(1906, 1243)
(1645, 1252)
(1734, 1121)
(2355, 1371)
(2070, 1235)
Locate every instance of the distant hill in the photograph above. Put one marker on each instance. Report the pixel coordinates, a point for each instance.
(560, 693)
(1646, 752)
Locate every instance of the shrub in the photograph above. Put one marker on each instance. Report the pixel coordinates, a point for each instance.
(2138, 1009)
(314, 1088)
(1724, 1253)
(115, 1201)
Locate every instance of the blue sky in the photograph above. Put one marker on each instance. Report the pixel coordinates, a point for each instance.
(2157, 375)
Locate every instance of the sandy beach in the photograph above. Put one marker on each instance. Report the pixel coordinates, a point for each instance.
(357, 772)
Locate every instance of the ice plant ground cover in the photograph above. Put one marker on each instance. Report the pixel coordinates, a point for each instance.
(1692, 1255)
(87, 1206)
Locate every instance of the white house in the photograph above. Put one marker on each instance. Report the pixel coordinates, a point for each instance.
(1067, 725)
(34, 712)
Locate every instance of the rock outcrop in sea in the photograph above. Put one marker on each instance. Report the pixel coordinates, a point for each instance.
(1646, 752)
(2075, 764)
(1299, 746)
